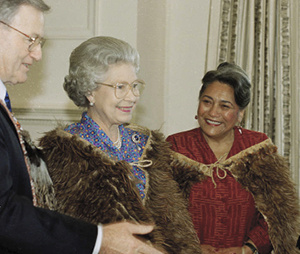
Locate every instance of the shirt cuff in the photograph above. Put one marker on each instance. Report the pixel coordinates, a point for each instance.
(98, 240)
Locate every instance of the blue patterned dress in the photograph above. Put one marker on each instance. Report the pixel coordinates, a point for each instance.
(133, 144)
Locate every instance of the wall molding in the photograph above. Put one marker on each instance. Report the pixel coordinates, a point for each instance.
(38, 114)
(61, 24)
(39, 121)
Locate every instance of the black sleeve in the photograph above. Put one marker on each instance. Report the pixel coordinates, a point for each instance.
(23, 227)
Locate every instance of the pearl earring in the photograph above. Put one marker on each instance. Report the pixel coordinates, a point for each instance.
(91, 104)
(239, 128)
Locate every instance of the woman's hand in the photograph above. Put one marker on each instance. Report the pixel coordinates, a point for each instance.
(234, 250)
(208, 249)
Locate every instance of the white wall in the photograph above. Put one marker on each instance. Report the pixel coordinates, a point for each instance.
(171, 36)
(187, 28)
(172, 39)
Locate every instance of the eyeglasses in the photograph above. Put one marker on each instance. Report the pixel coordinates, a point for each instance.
(33, 42)
(122, 89)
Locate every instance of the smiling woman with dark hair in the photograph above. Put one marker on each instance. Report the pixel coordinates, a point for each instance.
(243, 201)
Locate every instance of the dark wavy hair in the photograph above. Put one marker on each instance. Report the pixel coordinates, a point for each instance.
(234, 76)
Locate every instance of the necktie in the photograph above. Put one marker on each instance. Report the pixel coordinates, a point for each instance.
(7, 101)
(21, 139)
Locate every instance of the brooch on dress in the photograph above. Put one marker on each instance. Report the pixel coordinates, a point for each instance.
(136, 139)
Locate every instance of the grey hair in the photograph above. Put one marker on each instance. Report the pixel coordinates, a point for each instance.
(89, 63)
(9, 8)
(234, 76)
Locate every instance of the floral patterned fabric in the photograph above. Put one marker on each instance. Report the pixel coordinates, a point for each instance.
(133, 144)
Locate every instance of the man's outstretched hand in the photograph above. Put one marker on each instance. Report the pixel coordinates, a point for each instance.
(119, 238)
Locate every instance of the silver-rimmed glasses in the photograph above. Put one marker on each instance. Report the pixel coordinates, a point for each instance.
(33, 42)
(122, 89)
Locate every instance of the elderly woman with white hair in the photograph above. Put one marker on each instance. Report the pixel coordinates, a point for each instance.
(105, 170)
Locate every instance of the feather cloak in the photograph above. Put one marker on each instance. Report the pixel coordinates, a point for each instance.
(91, 186)
(265, 174)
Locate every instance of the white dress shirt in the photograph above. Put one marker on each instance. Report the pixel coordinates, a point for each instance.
(2, 91)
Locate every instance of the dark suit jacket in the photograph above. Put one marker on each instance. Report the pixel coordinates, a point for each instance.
(23, 227)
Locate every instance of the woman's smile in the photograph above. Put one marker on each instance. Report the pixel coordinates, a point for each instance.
(214, 123)
(125, 109)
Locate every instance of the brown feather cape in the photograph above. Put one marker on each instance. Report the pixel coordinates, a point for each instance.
(265, 174)
(91, 186)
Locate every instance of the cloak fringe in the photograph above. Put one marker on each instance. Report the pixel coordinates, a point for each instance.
(265, 174)
(91, 186)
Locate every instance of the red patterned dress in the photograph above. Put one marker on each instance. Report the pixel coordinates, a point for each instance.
(223, 213)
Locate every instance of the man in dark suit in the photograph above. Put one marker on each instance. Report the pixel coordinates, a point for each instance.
(25, 228)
